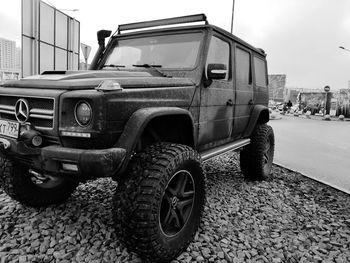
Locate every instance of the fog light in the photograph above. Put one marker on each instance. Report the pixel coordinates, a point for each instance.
(37, 140)
(31, 137)
(70, 167)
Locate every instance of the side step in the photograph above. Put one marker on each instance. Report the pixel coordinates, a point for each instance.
(208, 154)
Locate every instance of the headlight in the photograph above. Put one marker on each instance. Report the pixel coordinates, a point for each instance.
(83, 113)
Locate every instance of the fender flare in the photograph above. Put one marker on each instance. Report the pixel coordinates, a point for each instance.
(260, 114)
(137, 123)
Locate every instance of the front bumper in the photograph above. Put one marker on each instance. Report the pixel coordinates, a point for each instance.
(57, 160)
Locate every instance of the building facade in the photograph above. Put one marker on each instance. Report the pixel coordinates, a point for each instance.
(277, 84)
(10, 60)
(18, 58)
(7, 54)
(343, 102)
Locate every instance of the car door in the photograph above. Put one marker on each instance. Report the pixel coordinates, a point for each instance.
(217, 99)
(244, 90)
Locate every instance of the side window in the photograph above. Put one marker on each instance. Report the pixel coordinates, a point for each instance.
(243, 67)
(219, 52)
(260, 72)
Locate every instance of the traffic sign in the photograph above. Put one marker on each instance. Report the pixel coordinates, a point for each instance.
(327, 89)
(86, 50)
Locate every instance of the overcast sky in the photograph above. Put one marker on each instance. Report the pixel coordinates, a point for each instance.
(300, 37)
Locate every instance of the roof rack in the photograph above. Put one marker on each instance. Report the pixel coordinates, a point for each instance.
(164, 22)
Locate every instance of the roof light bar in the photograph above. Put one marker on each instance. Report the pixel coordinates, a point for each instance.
(164, 22)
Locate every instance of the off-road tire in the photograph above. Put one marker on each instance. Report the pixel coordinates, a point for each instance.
(256, 158)
(138, 202)
(16, 182)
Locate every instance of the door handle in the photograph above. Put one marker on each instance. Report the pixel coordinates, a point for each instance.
(229, 103)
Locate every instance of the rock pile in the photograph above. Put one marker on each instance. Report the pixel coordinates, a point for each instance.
(288, 218)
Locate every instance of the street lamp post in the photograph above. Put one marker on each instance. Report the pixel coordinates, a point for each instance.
(327, 89)
(344, 48)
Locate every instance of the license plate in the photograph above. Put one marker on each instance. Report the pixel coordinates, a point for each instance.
(9, 128)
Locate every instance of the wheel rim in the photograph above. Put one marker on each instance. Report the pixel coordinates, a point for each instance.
(44, 180)
(177, 203)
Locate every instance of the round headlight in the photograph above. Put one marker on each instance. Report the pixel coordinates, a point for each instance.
(83, 113)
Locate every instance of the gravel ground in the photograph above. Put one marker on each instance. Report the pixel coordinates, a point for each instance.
(288, 218)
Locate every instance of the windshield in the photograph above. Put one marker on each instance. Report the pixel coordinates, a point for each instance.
(165, 51)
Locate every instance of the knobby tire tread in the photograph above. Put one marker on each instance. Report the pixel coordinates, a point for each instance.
(134, 201)
(18, 185)
(251, 157)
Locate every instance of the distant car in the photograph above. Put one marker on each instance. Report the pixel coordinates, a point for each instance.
(279, 106)
(294, 108)
(271, 104)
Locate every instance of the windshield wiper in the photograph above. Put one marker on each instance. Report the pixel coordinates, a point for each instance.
(147, 65)
(152, 66)
(113, 66)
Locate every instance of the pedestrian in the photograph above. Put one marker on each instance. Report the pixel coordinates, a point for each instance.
(289, 105)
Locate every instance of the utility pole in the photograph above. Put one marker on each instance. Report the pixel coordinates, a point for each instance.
(328, 99)
(233, 12)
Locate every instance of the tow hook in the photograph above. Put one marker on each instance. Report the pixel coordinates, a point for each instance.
(38, 176)
(4, 144)
(44, 180)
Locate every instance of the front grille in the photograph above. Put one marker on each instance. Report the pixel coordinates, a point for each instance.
(41, 114)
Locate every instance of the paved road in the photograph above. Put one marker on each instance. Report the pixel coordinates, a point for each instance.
(318, 149)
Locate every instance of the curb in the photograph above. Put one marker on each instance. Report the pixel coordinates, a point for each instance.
(318, 118)
(313, 178)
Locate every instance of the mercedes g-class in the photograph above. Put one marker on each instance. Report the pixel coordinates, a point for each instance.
(156, 103)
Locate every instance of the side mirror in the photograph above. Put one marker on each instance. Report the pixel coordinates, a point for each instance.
(216, 71)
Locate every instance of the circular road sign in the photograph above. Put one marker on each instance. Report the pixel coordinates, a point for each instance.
(327, 89)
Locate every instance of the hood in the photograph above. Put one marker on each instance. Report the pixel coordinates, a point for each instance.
(90, 79)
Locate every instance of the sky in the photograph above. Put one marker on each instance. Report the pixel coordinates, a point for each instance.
(301, 37)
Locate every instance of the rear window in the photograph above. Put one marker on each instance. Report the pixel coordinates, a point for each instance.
(260, 72)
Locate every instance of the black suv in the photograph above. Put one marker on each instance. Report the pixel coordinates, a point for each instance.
(156, 102)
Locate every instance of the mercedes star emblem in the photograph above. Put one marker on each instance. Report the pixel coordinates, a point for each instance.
(22, 110)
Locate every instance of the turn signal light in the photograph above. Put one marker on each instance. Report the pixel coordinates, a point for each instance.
(76, 134)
